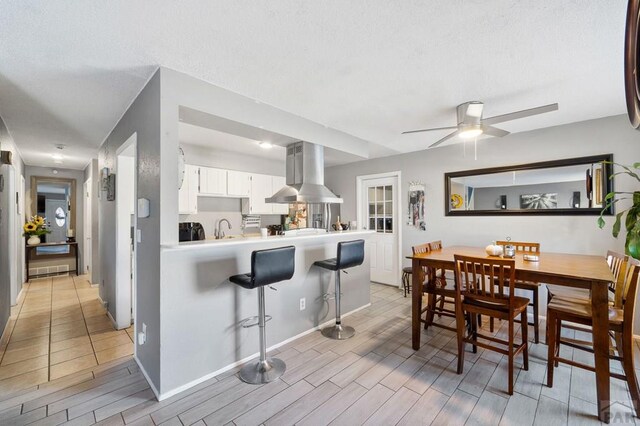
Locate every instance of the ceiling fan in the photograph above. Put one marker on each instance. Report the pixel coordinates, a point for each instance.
(471, 124)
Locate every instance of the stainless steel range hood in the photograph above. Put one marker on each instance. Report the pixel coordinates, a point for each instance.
(305, 176)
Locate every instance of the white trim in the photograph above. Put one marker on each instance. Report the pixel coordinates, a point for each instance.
(399, 221)
(209, 376)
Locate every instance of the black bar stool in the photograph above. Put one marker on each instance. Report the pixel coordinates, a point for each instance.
(350, 254)
(267, 267)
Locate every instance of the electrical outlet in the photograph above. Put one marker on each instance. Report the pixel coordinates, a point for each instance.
(303, 304)
(144, 328)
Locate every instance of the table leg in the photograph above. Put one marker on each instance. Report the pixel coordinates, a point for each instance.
(77, 266)
(599, 306)
(416, 303)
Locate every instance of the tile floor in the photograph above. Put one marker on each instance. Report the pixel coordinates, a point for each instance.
(375, 378)
(58, 328)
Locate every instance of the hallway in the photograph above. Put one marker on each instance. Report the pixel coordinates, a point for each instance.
(58, 328)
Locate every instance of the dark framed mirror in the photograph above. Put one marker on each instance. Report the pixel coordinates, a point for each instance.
(575, 186)
(54, 199)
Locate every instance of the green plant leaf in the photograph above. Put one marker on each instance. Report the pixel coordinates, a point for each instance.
(616, 225)
(609, 196)
(636, 165)
(600, 222)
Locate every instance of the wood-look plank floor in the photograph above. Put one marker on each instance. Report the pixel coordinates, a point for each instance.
(375, 378)
(58, 328)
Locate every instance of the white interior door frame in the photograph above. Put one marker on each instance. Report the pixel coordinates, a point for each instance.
(125, 264)
(360, 214)
(88, 237)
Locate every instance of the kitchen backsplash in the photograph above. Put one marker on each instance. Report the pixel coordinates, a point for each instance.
(212, 210)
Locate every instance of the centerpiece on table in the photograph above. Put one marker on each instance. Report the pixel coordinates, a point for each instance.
(632, 221)
(34, 229)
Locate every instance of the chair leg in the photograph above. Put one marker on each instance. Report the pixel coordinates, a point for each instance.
(536, 319)
(558, 334)
(460, 330)
(474, 331)
(431, 303)
(629, 371)
(491, 324)
(525, 340)
(551, 346)
(440, 306)
(511, 339)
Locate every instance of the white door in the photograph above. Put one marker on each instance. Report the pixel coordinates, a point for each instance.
(57, 216)
(87, 228)
(380, 214)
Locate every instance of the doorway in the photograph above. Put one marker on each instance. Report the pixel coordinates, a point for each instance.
(378, 210)
(126, 174)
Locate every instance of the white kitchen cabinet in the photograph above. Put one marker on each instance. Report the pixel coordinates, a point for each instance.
(213, 182)
(188, 193)
(260, 189)
(277, 182)
(264, 186)
(238, 184)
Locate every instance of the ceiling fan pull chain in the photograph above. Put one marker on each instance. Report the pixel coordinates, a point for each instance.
(475, 149)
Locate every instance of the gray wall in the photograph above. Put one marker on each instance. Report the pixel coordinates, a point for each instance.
(78, 175)
(143, 119)
(486, 198)
(7, 144)
(573, 234)
(91, 172)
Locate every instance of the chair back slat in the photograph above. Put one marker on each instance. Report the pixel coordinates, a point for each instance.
(630, 292)
(521, 246)
(485, 280)
(617, 263)
(422, 249)
(435, 245)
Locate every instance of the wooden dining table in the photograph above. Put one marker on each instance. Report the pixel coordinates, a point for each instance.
(571, 270)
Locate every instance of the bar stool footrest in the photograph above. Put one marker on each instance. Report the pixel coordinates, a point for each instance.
(257, 372)
(338, 332)
(253, 321)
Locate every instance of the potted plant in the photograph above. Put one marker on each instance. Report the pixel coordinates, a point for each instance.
(34, 229)
(632, 221)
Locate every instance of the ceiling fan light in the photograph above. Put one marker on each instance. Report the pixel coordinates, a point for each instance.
(470, 133)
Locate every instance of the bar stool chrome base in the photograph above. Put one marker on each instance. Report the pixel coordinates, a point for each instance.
(338, 332)
(257, 372)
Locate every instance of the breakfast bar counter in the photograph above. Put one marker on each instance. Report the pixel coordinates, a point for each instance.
(202, 311)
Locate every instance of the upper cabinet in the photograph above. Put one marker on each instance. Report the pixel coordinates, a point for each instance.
(238, 184)
(213, 182)
(188, 193)
(253, 188)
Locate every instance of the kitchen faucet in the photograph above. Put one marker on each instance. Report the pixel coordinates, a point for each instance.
(219, 232)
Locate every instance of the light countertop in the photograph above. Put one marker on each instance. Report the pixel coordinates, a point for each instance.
(257, 240)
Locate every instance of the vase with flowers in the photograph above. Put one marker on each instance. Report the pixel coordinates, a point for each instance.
(34, 228)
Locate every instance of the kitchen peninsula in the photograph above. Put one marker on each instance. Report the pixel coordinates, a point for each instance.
(203, 312)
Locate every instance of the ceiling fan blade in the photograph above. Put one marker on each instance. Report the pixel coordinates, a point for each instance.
(494, 131)
(446, 138)
(520, 114)
(429, 130)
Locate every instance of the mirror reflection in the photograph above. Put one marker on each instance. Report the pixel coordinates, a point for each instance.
(53, 201)
(529, 189)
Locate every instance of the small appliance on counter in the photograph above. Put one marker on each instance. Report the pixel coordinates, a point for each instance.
(274, 229)
(190, 231)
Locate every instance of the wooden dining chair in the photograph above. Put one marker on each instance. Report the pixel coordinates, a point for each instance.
(487, 287)
(616, 262)
(436, 290)
(533, 287)
(442, 275)
(620, 322)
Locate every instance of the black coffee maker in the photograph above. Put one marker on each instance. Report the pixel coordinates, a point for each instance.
(190, 231)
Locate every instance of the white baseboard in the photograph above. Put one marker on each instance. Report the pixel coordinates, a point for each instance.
(193, 383)
(146, 376)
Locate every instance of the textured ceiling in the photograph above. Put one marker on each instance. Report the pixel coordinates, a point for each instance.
(371, 68)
